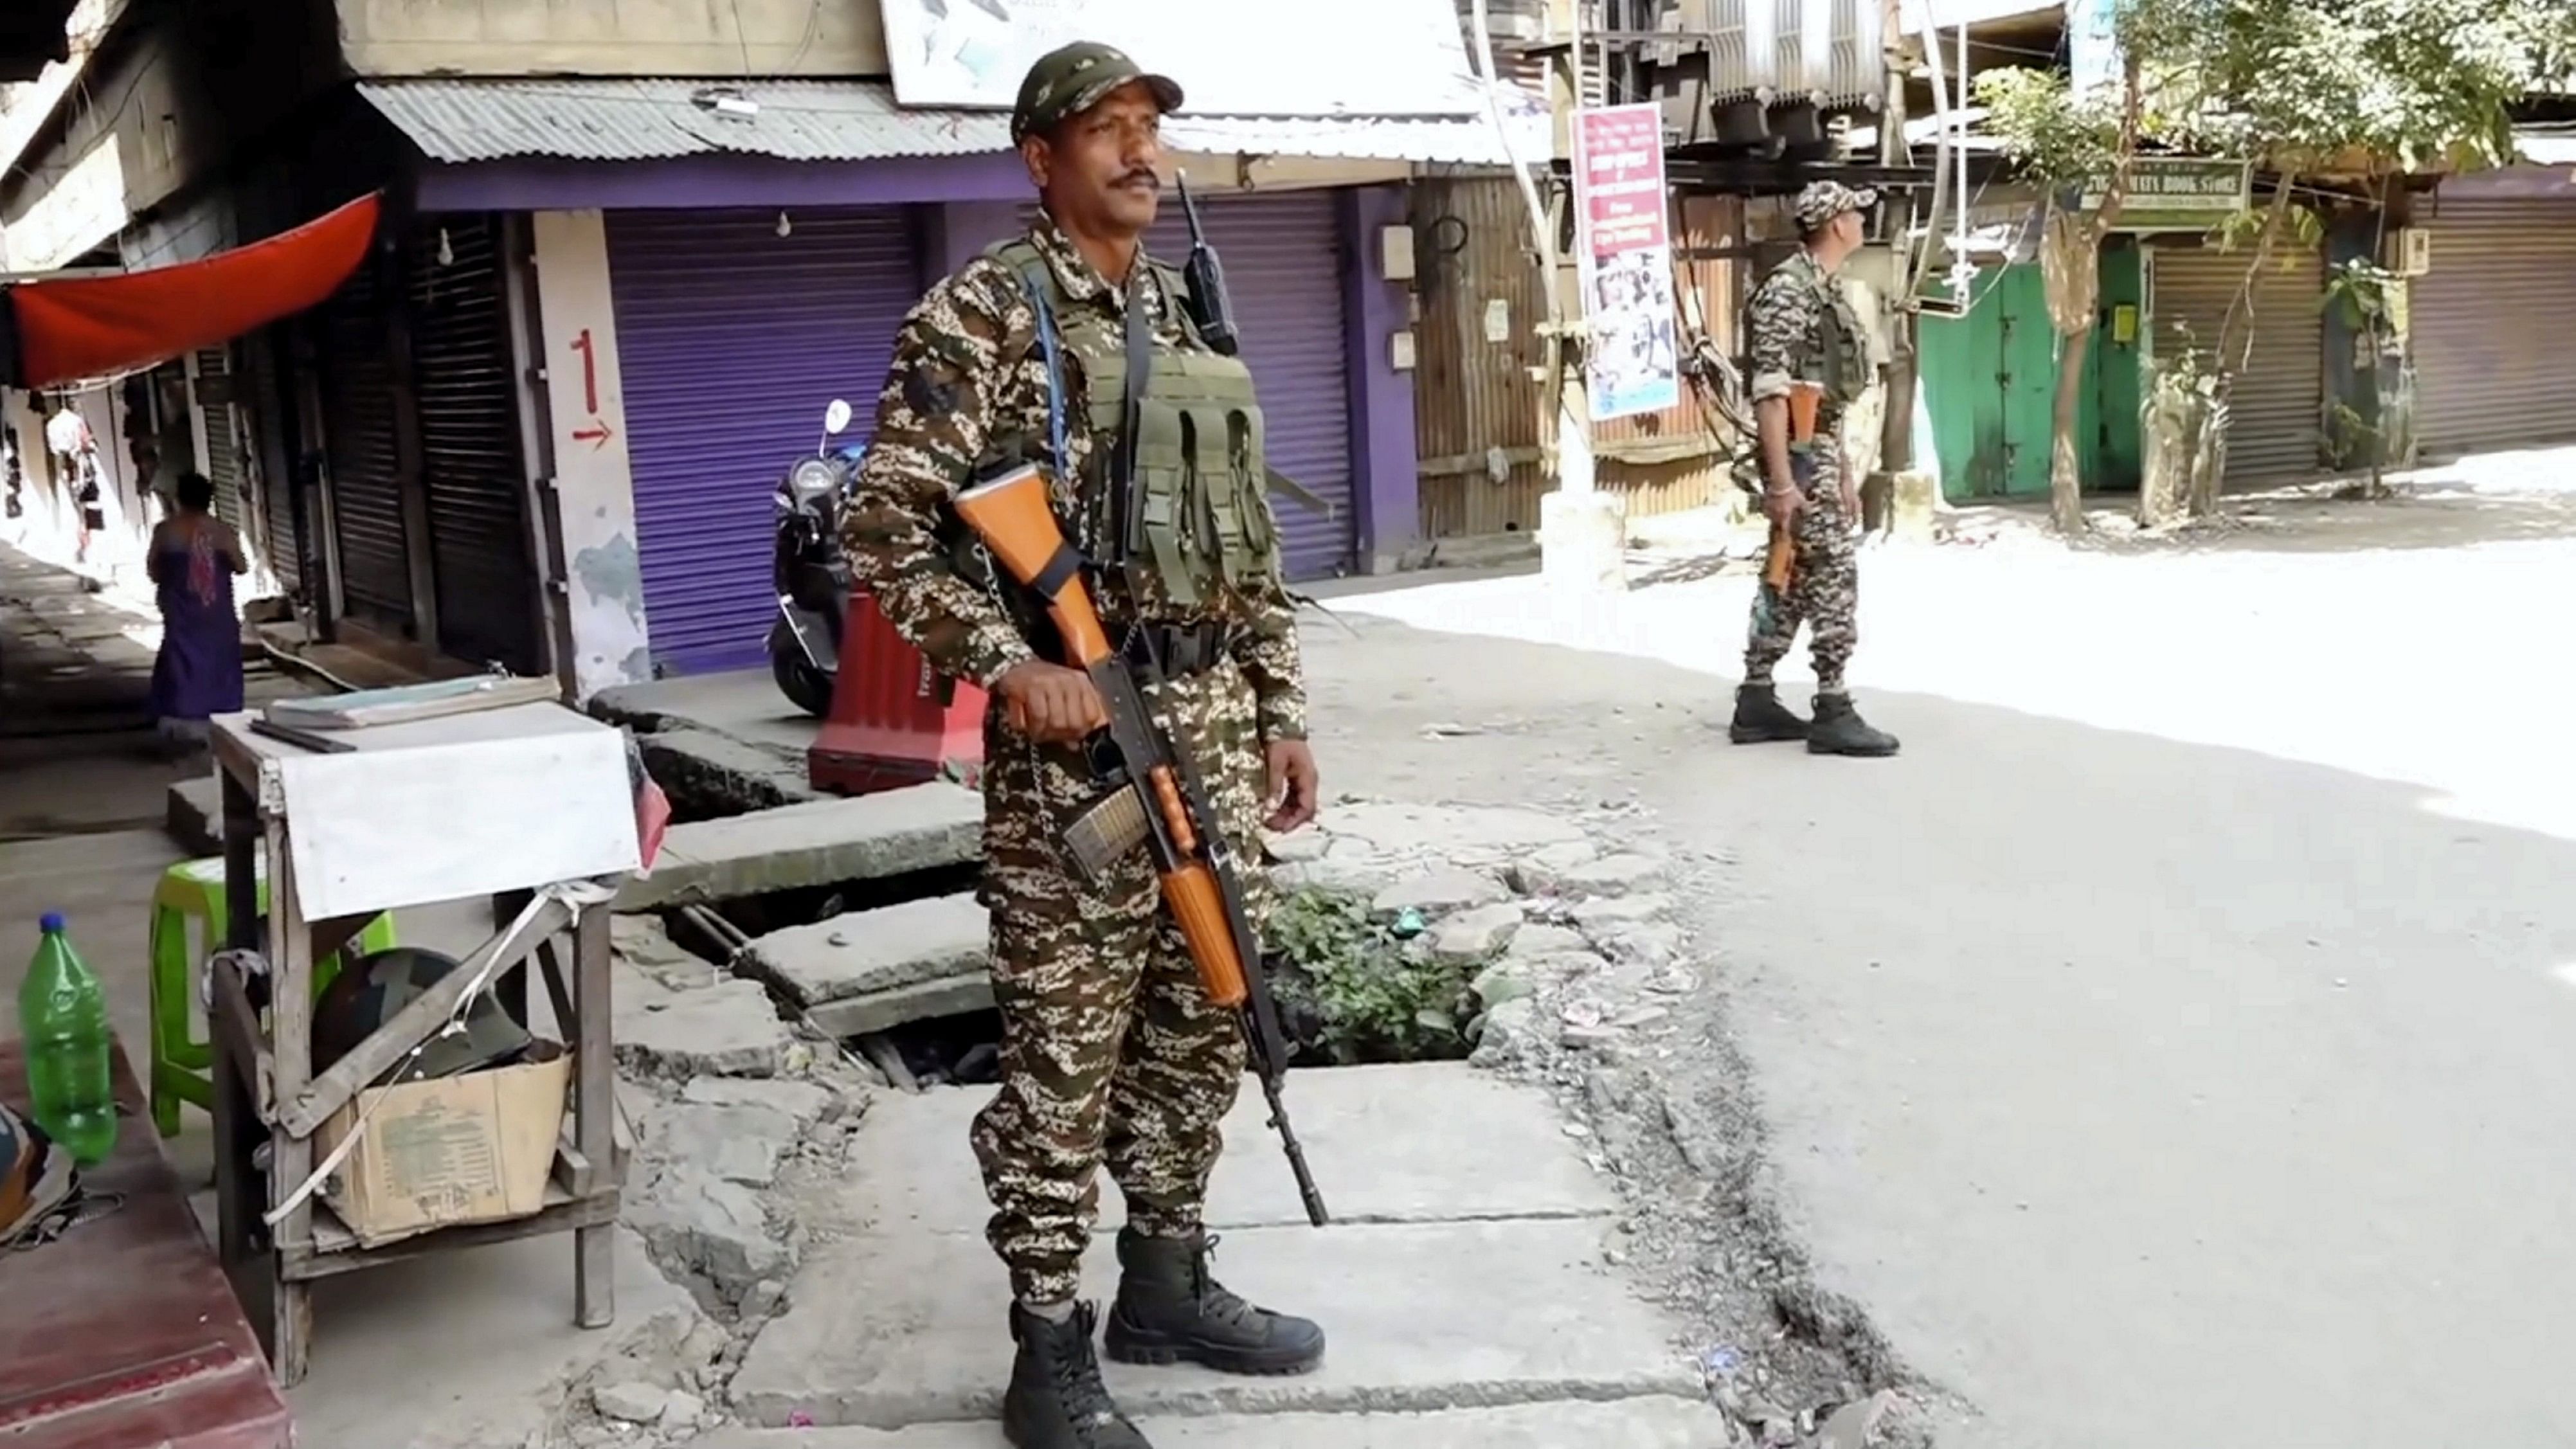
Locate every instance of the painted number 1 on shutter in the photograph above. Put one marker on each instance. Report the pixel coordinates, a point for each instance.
(597, 433)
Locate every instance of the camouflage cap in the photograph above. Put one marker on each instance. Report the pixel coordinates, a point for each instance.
(1822, 201)
(1072, 78)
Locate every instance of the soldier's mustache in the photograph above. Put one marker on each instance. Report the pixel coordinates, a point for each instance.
(1142, 174)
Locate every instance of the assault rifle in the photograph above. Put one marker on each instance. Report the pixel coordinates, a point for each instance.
(1780, 555)
(1159, 799)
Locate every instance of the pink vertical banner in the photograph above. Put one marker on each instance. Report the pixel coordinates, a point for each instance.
(1624, 253)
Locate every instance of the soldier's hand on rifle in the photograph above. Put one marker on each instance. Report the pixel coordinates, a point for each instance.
(1293, 784)
(1050, 703)
(1782, 504)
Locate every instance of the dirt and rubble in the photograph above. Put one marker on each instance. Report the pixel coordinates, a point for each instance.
(1602, 994)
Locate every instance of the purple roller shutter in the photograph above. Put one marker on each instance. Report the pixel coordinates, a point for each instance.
(1283, 267)
(1283, 256)
(731, 339)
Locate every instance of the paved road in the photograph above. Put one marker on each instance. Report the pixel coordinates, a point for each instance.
(2171, 1046)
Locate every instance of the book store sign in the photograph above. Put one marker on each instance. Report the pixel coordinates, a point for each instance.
(2178, 194)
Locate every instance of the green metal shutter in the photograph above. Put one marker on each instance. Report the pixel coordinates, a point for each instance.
(2277, 407)
(2488, 321)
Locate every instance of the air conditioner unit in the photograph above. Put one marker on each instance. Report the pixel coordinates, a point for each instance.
(2410, 251)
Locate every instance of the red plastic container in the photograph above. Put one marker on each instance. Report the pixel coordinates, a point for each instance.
(895, 721)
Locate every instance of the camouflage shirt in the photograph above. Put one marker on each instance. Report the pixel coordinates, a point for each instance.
(1787, 322)
(969, 376)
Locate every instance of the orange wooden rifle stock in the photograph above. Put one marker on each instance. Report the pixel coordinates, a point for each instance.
(1780, 558)
(1012, 516)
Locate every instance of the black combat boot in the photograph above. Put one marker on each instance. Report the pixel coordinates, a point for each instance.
(1056, 1399)
(1761, 717)
(1839, 730)
(1170, 1310)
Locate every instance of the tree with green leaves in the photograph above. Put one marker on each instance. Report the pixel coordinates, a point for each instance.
(2352, 93)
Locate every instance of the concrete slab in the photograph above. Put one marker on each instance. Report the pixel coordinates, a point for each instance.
(728, 1029)
(923, 1001)
(709, 772)
(1419, 1142)
(744, 703)
(461, 1350)
(821, 843)
(644, 944)
(873, 969)
(1658, 1422)
(887, 1332)
(195, 816)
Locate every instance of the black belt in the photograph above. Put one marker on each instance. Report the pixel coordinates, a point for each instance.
(1178, 649)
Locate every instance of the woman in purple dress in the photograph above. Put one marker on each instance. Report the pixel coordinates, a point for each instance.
(193, 560)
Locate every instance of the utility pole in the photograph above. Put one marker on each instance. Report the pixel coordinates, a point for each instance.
(1583, 532)
(1896, 428)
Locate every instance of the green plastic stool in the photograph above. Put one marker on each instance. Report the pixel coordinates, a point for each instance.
(183, 1064)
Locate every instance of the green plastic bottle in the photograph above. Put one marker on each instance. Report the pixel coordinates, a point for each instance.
(62, 1014)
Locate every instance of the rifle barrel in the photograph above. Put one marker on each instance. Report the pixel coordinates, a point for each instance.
(1306, 1189)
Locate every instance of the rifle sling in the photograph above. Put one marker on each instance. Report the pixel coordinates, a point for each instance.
(1062, 567)
(1281, 483)
(1140, 358)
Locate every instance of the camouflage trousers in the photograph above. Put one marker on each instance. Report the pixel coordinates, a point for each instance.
(1823, 592)
(1111, 1052)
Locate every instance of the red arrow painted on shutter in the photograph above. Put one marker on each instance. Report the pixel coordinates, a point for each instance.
(597, 435)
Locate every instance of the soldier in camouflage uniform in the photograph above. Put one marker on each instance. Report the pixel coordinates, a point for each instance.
(1111, 1052)
(1804, 330)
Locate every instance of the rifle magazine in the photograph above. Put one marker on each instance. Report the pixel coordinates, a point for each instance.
(1107, 831)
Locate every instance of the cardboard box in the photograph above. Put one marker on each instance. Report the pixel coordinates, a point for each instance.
(472, 1149)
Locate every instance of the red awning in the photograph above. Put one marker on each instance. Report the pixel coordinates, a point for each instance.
(74, 328)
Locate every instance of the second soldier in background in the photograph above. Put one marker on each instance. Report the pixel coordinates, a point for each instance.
(1070, 348)
(1805, 334)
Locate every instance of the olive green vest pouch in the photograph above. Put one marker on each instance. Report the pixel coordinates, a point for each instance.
(1200, 479)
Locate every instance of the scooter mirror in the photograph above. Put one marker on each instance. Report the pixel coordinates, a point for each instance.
(836, 418)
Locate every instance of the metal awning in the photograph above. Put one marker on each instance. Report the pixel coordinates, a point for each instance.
(851, 120)
(2546, 147)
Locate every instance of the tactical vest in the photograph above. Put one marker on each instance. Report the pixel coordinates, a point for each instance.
(1197, 523)
(1839, 361)
(1842, 348)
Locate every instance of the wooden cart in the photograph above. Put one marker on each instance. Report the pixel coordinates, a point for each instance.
(502, 804)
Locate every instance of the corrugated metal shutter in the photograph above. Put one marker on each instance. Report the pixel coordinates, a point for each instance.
(223, 460)
(267, 410)
(2489, 320)
(361, 402)
(730, 340)
(2276, 408)
(1284, 257)
(471, 474)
